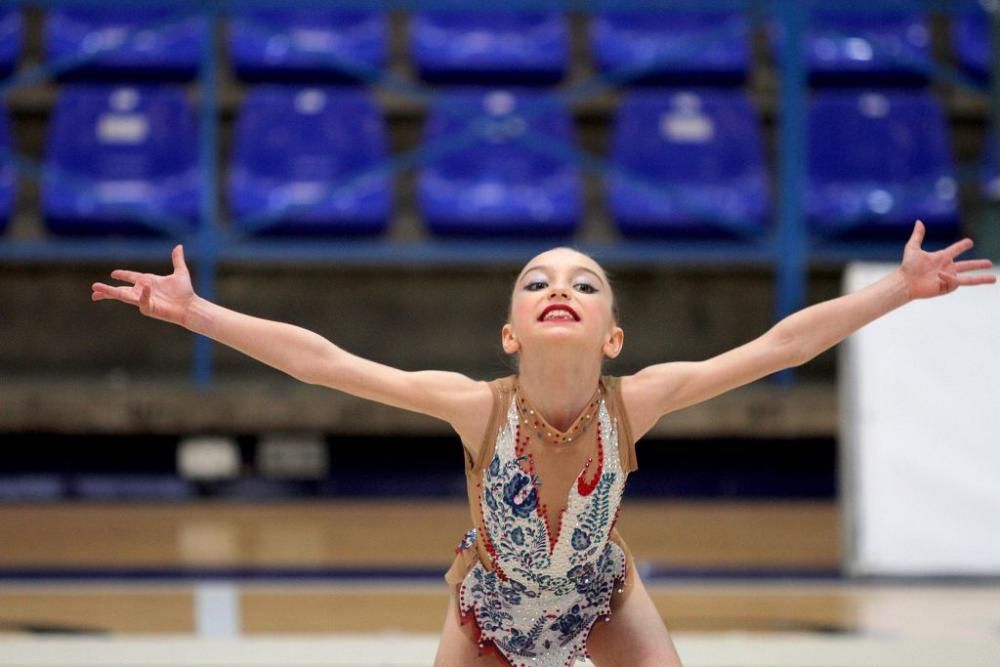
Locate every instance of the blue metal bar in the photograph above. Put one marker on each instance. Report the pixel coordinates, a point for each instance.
(206, 240)
(791, 262)
(354, 252)
(991, 218)
(993, 10)
(221, 6)
(226, 6)
(533, 6)
(210, 246)
(593, 85)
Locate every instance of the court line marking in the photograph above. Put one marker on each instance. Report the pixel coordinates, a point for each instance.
(395, 650)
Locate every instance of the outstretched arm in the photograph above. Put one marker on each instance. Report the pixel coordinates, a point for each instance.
(303, 354)
(800, 337)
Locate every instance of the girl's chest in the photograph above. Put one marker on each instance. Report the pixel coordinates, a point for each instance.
(535, 488)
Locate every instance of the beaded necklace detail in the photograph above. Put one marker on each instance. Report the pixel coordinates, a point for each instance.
(545, 434)
(549, 435)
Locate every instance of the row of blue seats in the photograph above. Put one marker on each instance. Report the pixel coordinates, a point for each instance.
(494, 162)
(475, 46)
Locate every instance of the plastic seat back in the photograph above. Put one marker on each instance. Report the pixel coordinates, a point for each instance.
(310, 161)
(312, 45)
(121, 159)
(970, 36)
(865, 48)
(873, 46)
(878, 160)
(502, 164)
(490, 47)
(688, 163)
(671, 46)
(111, 43)
(11, 40)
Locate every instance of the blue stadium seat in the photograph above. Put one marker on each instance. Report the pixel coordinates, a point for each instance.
(970, 36)
(31, 487)
(669, 46)
(481, 47)
(11, 40)
(121, 160)
(7, 180)
(310, 161)
(112, 43)
(129, 487)
(502, 165)
(307, 44)
(876, 162)
(866, 48)
(688, 163)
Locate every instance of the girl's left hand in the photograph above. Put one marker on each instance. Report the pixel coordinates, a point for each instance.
(930, 274)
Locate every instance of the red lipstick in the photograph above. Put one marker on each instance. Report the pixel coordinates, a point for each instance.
(559, 306)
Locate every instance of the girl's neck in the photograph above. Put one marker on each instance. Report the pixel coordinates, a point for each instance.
(558, 388)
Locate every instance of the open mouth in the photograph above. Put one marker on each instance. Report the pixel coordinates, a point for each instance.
(558, 313)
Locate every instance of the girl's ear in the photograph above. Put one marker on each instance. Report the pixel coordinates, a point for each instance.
(511, 345)
(613, 345)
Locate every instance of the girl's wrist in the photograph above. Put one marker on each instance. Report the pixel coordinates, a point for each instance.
(196, 317)
(900, 291)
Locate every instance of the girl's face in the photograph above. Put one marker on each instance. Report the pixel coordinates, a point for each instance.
(562, 296)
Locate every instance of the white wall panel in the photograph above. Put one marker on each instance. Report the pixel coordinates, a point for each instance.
(920, 435)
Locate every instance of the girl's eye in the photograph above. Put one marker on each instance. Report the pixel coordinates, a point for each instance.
(586, 288)
(535, 285)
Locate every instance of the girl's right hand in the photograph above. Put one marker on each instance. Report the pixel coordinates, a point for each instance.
(167, 298)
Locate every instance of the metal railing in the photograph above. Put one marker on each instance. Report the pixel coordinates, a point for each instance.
(787, 246)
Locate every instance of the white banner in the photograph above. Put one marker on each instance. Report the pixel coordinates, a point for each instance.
(920, 435)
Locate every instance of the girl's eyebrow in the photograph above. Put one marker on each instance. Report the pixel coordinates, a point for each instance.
(542, 267)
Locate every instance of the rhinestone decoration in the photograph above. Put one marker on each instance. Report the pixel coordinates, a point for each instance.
(545, 592)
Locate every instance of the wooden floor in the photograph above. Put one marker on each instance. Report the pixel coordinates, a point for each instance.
(953, 611)
(337, 545)
(381, 534)
(696, 650)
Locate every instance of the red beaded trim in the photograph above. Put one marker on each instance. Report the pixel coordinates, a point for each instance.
(583, 487)
(486, 645)
(554, 537)
(528, 415)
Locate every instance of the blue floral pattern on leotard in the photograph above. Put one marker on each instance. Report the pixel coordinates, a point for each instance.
(520, 495)
(540, 600)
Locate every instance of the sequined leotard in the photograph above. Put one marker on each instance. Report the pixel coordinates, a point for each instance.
(535, 579)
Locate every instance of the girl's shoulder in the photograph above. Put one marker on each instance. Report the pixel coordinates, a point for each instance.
(615, 402)
(502, 389)
(505, 384)
(612, 386)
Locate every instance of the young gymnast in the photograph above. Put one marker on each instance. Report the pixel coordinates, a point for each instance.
(543, 577)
